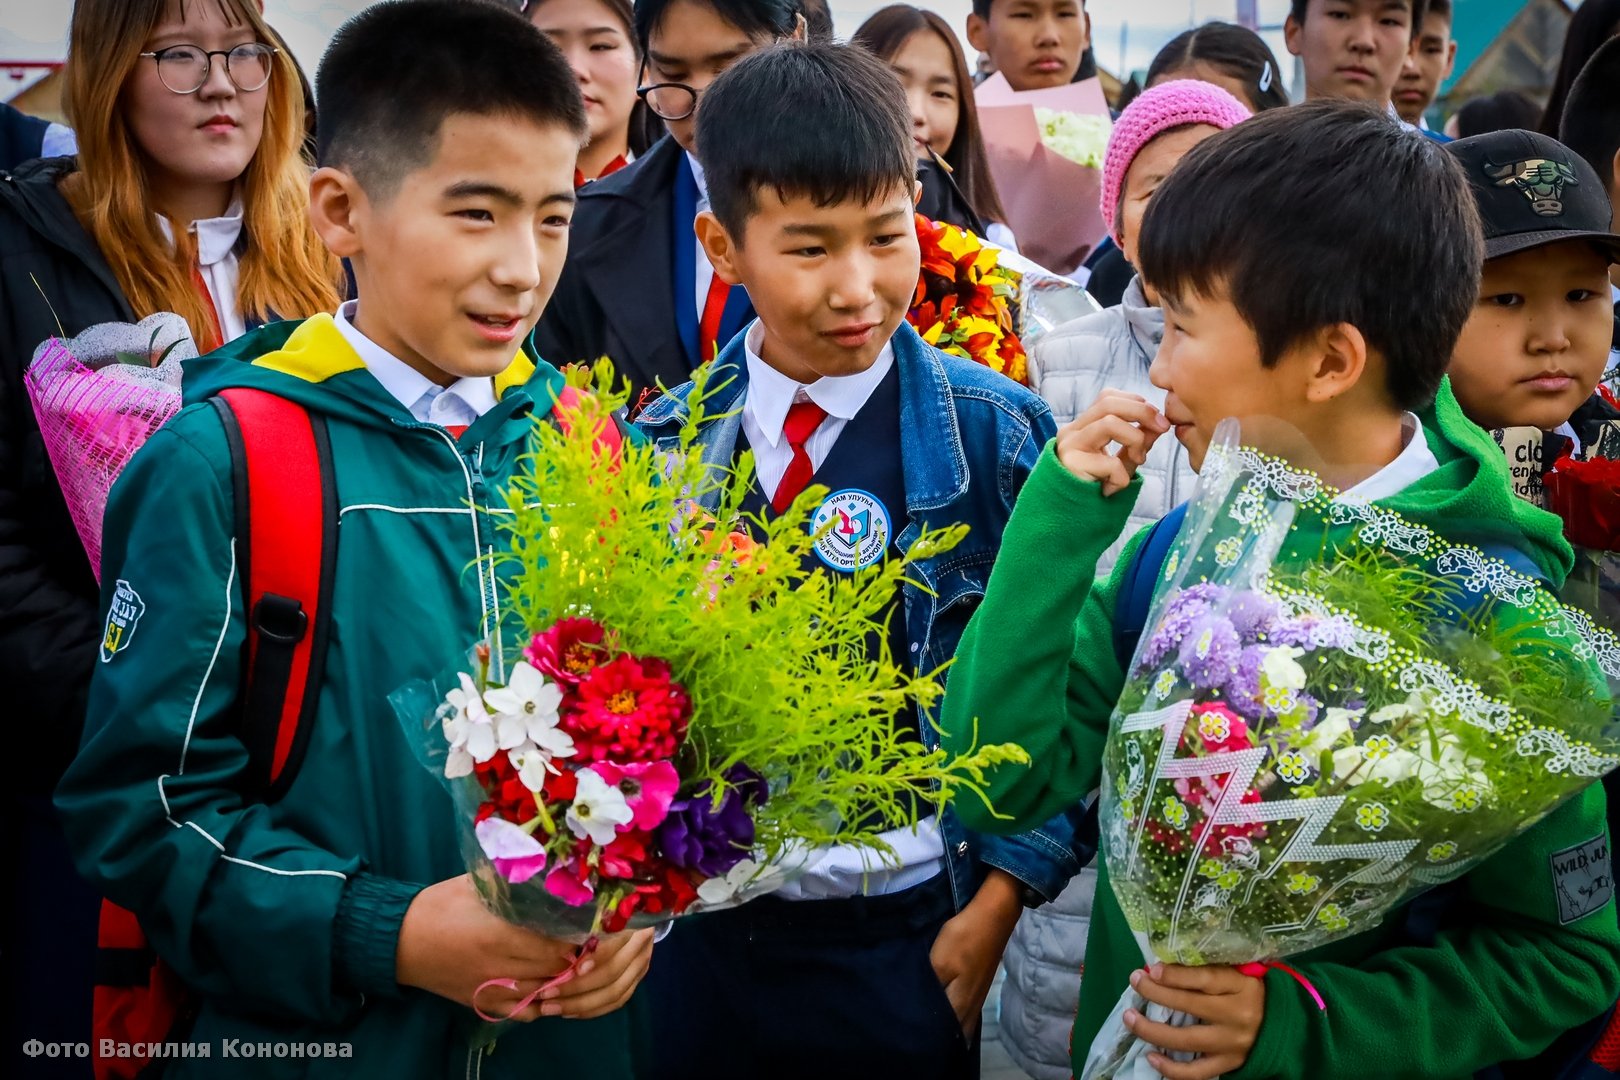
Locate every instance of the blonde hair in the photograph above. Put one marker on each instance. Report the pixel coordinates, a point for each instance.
(285, 271)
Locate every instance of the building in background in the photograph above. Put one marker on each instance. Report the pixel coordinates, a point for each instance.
(1503, 45)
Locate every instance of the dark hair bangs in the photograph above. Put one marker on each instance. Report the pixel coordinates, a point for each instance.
(394, 72)
(826, 122)
(1321, 214)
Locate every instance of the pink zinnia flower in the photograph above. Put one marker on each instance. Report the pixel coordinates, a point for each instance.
(569, 650)
(648, 786)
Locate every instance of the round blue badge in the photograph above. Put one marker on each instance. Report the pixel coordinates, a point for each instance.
(860, 530)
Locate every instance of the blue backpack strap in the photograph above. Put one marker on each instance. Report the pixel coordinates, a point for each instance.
(1141, 578)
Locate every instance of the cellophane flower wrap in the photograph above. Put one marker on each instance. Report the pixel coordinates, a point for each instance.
(1302, 745)
(985, 304)
(674, 714)
(97, 398)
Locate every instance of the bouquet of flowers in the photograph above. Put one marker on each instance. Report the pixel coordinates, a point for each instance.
(1046, 150)
(1303, 745)
(1078, 137)
(984, 304)
(672, 714)
(98, 397)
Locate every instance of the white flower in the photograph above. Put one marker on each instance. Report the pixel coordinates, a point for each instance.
(599, 809)
(533, 762)
(1416, 704)
(1280, 670)
(468, 728)
(1329, 732)
(1383, 765)
(526, 708)
(1452, 780)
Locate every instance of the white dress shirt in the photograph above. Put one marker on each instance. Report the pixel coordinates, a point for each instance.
(919, 853)
(456, 405)
(1413, 463)
(216, 257)
(770, 393)
(704, 272)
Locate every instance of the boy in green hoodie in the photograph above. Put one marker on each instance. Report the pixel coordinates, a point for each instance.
(338, 915)
(1331, 350)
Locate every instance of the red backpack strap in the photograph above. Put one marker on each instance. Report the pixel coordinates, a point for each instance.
(286, 552)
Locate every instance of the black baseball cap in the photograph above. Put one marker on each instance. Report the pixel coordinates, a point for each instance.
(1533, 190)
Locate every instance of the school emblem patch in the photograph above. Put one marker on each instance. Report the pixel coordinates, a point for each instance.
(1539, 180)
(860, 530)
(1582, 878)
(122, 616)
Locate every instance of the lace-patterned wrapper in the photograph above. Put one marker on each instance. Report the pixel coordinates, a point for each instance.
(1333, 708)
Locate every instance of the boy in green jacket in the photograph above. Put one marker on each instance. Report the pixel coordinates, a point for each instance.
(1317, 265)
(340, 913)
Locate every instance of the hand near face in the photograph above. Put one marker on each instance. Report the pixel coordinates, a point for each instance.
(1109, 441)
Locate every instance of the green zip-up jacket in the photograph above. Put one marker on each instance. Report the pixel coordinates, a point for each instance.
(1503, 977)
(285, 918)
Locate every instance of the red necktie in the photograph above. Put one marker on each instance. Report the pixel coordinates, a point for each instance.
(714, 306)
(803, 417)
(456, 430)
(214, 337)
(580, 179)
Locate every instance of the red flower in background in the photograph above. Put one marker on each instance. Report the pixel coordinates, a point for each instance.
(627, 709)
(1586, 495)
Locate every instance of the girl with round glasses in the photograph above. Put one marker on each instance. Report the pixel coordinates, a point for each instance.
(188, 195)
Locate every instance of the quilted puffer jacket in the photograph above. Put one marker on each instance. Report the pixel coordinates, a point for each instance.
(1069, 367)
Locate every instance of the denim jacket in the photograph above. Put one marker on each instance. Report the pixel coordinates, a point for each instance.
(969, 438)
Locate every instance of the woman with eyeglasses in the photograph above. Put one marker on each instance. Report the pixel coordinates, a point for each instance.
(188, 195)
(598, 38)
(637, 286)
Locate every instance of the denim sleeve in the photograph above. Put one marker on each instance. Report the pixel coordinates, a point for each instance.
(1044, 858)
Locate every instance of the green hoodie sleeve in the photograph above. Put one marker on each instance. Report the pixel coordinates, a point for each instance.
(245, 905)
(1501, 983)
(1036, 665)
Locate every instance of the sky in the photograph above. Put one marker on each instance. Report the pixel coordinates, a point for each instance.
(1126, 33)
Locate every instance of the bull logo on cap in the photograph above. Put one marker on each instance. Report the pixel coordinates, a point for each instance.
(1542, 182)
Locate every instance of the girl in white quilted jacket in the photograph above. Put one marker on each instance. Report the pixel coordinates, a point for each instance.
(1069, 367)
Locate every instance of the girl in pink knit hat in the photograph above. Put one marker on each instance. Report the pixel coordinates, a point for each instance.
(1069, 367)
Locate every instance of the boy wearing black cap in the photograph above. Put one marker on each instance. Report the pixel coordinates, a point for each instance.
(1538, 340)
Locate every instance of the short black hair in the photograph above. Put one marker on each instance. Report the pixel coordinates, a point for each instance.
(829, 122)
(756, 18)
(1591, 122)
(394, 72)
(1232, 50)
(1418, 8)
(981, 8)
(1501, 111)
(1325, 213)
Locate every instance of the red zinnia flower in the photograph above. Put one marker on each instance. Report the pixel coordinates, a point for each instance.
(569, 650)
(628, 709)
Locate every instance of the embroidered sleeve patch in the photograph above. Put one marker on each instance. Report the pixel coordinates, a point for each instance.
(122, 615)
(1582, 879)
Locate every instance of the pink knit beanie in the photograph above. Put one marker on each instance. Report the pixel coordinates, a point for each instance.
(1169, 105)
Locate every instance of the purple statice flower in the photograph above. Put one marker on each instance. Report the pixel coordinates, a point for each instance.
(1209, 652)
(1252, 614)
(698, 836)
(1179, 613)
(1242, 690)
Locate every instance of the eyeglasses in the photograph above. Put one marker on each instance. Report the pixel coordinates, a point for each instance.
(669, 100)
(184, 69)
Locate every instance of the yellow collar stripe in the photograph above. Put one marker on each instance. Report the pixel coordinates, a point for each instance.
(317, 350)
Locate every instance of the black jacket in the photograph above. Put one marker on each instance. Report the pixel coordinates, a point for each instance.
(616, 296)
(53, 280)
